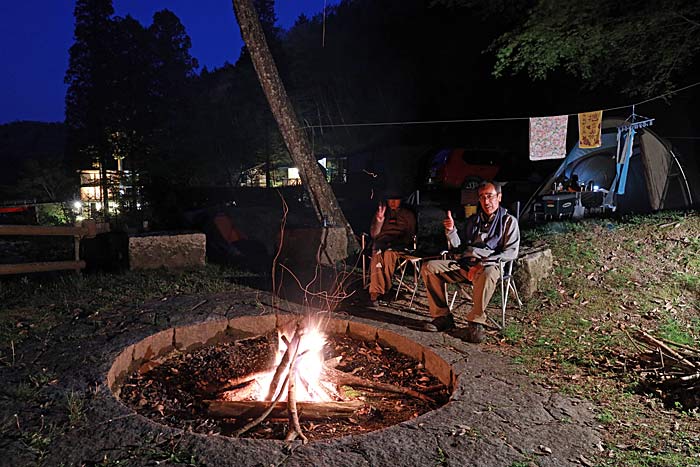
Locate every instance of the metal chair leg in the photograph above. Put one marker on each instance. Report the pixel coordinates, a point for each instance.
(402, 266)
(416, 278)
(504, 296)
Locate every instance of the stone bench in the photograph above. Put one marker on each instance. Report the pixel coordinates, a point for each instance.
(167, 250)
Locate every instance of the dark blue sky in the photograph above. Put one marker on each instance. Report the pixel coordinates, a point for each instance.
(36, 35)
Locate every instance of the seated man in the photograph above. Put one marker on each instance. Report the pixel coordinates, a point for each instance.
(392, 230)
(490, 234)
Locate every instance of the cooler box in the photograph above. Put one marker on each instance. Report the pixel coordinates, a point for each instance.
(559, 205)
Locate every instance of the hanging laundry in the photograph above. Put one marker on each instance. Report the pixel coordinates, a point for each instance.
(589, 124)
(548, 137)
(624, 166)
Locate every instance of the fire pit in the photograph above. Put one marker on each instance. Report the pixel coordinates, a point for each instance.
(279, 377)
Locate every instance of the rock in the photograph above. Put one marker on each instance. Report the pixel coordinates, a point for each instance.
(530, 268)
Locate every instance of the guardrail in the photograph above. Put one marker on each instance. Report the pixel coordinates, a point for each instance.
(87, 229)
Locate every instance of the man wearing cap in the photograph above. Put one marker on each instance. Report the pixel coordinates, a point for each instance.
(393, 229)
(490, 235)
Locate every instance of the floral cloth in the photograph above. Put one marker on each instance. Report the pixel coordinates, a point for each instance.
(589, 124)
(548, 137)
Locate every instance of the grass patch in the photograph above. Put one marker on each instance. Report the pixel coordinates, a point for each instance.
(608, 279)
(687, 280)
(513, 333)
(605, 417)
(155, 452)
(37, 442)
(75, 404)
(32, 305)
(674, 331)
(624, 458)
(440, 457)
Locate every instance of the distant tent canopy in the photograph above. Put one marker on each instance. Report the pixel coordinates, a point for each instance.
(656, 179)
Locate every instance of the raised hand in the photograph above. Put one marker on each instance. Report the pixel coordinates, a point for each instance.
(449, 223)
(381, 209)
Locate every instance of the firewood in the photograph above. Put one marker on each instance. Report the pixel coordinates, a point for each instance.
(690, 377)
(294, 426)
(229, 384)
(270, 406)
(340, 378)
(686, 348)
(246, 391)
(643, 336)
(433, 388)
(306, 410)
(332, 362)
(284, 363)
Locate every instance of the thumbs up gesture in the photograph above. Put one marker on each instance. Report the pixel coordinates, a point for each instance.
(449, 223)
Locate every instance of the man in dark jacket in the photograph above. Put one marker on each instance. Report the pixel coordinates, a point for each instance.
(490, 235)
(392, 230)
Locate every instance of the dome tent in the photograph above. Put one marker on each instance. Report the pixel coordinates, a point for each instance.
(656, 178)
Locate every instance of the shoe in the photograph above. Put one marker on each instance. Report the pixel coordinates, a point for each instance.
(440, 324)
(373, 299)
(475, 333)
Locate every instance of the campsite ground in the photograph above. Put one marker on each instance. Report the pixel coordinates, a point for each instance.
(574, 337)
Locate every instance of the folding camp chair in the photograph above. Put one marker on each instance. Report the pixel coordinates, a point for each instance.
(506, 285)
(406, 258)
(409, 259)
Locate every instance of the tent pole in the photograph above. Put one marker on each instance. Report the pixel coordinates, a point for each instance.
(685, 180)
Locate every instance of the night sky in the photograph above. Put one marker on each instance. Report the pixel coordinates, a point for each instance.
(36, 36)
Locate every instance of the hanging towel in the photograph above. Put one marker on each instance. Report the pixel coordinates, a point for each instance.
(548, 137)
(624, 168)
(589, 124)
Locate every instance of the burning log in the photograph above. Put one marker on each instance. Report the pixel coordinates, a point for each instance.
(306, 410)
(233, 383)
(340, 378)
(294, 426)
(291, 349)
(263, 416)
(289, 355)
(246, 391)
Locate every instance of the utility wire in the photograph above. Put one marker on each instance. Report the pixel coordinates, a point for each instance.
(499, 119)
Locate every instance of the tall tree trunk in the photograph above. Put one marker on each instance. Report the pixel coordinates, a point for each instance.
(322, 197)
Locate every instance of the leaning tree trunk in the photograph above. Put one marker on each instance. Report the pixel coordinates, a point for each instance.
(322, 197)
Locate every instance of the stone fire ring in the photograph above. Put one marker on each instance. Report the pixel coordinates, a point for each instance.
(495, 416)
(195, 336)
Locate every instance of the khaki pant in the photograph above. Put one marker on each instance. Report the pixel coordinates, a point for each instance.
(381, 270)
(437, 273)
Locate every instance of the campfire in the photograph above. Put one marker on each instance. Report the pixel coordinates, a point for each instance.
(280, 377)
(300, 384)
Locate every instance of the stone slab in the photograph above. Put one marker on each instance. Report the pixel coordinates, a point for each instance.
(170, 251)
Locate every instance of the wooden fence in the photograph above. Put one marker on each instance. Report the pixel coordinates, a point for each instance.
(87, 229)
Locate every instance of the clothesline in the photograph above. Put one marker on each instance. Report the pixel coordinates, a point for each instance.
(499, 119)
